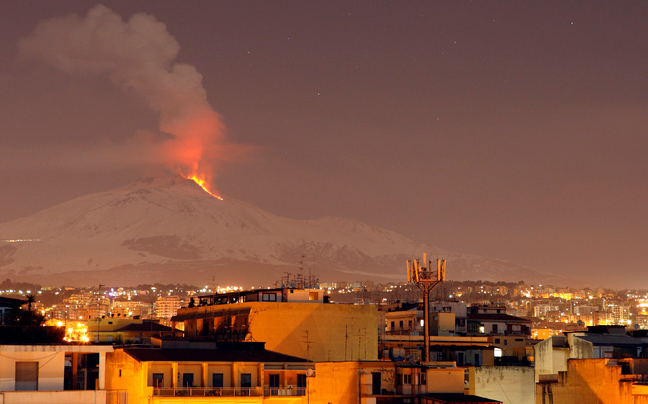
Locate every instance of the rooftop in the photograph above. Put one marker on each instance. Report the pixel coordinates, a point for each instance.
(454, 398)
(209, 355)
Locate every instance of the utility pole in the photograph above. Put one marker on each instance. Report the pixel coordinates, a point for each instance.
(425, 279)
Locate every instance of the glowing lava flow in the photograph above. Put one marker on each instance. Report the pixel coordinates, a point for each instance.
(202, 184)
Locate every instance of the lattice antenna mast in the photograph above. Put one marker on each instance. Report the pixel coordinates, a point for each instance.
(426, 279)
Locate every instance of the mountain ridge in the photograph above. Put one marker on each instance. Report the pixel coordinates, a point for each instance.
(172, 229)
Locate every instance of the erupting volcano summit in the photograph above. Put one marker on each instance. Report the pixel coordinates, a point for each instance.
(169, 229)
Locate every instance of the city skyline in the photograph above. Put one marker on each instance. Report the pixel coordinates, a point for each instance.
(511, 131)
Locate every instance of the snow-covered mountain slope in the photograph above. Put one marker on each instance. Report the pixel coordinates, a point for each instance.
(170, 230)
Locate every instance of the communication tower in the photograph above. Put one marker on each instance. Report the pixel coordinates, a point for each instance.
(426, 279)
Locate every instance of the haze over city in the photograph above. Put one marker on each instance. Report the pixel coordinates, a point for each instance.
(505, 130)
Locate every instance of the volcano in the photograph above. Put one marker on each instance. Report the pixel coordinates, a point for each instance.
(169, 230)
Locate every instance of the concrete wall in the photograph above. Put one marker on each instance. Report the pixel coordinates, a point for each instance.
(125, 373)
(335, 332)
(448, 380)
(315, 331)
(579, 348)
(51, 365)
(444, 324)
(589, 381)
(550, 360)
(347, 382)
(55, 397)
(508, 384)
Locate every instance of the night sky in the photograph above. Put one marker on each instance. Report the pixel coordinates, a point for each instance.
(512, 130)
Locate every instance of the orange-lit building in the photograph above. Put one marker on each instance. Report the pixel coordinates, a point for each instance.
(114, 330)
(296, 322)
(609, 381)
(179, 372)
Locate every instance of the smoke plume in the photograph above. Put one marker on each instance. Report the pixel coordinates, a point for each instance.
(138, 54)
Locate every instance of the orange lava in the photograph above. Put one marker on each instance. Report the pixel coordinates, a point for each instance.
(203, 184)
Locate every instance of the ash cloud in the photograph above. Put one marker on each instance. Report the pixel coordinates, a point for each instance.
(138, 54)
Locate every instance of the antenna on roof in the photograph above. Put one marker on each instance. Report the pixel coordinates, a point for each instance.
(426, 279)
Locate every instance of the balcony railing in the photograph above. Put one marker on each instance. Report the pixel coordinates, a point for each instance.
(207, 391)
(276, 391)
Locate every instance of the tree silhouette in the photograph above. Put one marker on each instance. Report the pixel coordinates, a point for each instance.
(18, 316)
(30, 299)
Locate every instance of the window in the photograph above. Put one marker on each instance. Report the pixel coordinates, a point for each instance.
(246, 379)
(410, 324)
(407, 379)
(217, 380)
(422, 379)
(274, 384)
(26, 376)
(400, 324)
(313, 296)
(494, 328)
(393, 325)
(376, 379)
(187, 379)
(497, 340)
(269, 297)
(505, 342)
(301, 381)
(158, 380)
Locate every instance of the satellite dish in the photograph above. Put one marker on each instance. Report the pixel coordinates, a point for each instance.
(310, 372)
(436, 318)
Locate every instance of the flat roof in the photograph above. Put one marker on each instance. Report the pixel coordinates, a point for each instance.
(209, 355)
(612, 340)
(87, 348)
(146, 327)
(457, 398)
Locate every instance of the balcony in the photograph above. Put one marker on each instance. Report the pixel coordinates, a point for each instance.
(208, 391)
(276, 391)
